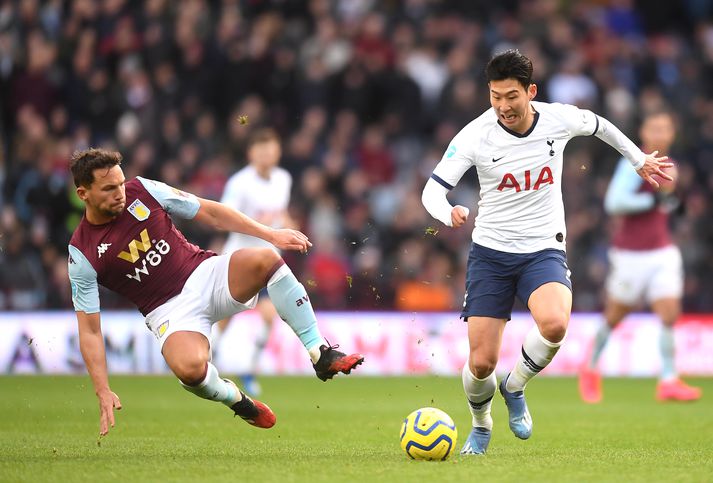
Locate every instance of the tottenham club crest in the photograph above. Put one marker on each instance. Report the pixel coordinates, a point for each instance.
(139, 210)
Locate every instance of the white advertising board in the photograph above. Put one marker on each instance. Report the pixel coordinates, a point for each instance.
(394, 343)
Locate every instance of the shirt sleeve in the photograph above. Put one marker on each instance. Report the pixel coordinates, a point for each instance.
(173, 200)
(583, 122)
(611, 135)
(457, 159)
(623, 196)
(83, 279)
(580, 122)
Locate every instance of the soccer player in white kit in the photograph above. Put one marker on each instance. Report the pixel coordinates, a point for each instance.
(645, 265)
(519, 237)
(261, 190)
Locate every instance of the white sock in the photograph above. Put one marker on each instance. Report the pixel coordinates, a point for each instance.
(292, 303)
(215, 388)
(536, 353)
(480, 397)
(666, 346)
(600, 341)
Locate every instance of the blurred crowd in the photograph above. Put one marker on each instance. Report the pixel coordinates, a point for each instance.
(366, 96)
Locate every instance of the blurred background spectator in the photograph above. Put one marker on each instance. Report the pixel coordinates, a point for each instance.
(366, 96)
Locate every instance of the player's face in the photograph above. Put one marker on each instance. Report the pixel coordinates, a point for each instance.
(265, 156)
(511, 102)
(106, 197)
(657, 133)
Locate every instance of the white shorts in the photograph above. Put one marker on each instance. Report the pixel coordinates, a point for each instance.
(204, 300)
(649, 275)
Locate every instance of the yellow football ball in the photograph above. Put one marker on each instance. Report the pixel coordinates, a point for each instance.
(428, 434)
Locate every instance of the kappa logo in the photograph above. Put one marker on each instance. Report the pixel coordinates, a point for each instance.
(135, 246)
(139, 210)
(102, 248)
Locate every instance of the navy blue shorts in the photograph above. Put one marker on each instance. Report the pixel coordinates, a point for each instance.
(494, 278)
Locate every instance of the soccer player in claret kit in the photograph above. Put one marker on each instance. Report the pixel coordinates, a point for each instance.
(645, 265)
(127, 242)
(519, 237)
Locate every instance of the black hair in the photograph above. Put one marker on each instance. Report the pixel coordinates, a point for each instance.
(511, 64)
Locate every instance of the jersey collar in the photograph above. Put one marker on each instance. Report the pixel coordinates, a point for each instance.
(526, 133)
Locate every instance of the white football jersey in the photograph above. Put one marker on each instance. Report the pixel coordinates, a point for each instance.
(520, 208)
(264, 200)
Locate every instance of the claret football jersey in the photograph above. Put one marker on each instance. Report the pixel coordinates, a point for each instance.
(140, 254)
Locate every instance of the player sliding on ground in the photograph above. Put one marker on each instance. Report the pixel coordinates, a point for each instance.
(519, 237)
(127, 242)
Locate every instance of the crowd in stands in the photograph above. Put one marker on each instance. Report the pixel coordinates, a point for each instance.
(366, 96)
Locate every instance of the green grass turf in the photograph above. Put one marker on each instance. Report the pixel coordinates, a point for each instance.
(344, 430)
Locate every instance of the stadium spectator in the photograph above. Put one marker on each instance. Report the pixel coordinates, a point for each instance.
(410, 68)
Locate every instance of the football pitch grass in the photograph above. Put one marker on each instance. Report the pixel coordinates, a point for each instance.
(344, 430)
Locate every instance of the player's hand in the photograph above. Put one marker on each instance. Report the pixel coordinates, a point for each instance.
(108, 401)
(654, 166)
(459, 215)
(287, 239)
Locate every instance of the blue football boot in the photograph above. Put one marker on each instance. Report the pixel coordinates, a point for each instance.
(477, 442)
(520, 419)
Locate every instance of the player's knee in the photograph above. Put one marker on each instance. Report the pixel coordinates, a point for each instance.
(191, 372)
(269, 258)
(482, 367)
(554, 329)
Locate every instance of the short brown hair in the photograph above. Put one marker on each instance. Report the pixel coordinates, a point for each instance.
(83, 164)
(262, 135)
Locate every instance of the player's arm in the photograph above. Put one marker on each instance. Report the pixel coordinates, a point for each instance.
(221, 217)
(623, 196)
(455, 162)
(91, 344)
(651, 164)
(224, 218)
(85, 297)
(584, 122)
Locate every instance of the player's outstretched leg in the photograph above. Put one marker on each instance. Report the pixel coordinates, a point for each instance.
(253, 411)
(479, 393)
(535, 354)
(214, 388)
(293, 305)
(331, 362)
(519, 416)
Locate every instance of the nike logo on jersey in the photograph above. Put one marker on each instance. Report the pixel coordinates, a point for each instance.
(495, 160)
(102, 248)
